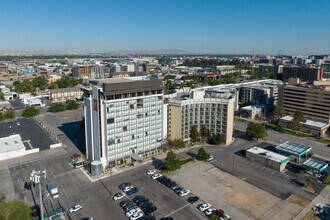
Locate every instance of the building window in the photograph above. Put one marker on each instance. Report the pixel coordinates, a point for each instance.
(118, 140)
(146, 114)
(117, 96)
(125, 128)
(133, 137)
(140, 94)
(133, 94)
(146, 133)
(131, 106)
(110, 120)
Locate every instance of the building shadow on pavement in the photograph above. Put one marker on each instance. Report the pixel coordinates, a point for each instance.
(76, 135)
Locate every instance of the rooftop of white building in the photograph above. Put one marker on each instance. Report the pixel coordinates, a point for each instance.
(11, 143)
(268, 154)
(308, 122)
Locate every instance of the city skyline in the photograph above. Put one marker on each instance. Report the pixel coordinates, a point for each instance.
(205, 27)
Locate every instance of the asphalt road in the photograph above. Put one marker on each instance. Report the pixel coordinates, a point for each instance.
(320, 150)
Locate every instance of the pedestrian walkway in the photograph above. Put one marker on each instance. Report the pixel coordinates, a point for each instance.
(322, 198)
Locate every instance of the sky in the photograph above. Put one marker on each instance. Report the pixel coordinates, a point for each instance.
(196, 26)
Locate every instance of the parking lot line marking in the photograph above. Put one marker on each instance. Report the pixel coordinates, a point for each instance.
(262, 168)
(178, 209)
(273, 172)
(252, 163)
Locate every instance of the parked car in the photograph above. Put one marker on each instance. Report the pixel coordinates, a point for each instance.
(127, 188)
(226, 217)
(132, 191)
(175, 186)
(75, 208)
(220, 213)
(132, 211)
(87, 218)
(210, 158)
(125, 203)
(149, 210)
(73, 156)
(192, 199)
(151, 172)
(155, 176)
(146, 205)
(130, 207)
(204, 206)
(141, 202)
(184, 192)
(118, 196)
(136, 216)
(123, 185)
(178, 190)
(209, 211)
(138, 198)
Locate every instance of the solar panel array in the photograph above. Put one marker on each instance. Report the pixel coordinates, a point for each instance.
(311, 162)
(293, 148)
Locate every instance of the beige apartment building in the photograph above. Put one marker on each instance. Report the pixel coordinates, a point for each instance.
(201, 107)
(312, 101)
(63, 94)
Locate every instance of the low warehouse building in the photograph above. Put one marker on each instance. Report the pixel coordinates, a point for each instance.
(267, 158)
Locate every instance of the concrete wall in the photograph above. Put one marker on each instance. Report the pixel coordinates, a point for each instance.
(174, 122)
(265, 161)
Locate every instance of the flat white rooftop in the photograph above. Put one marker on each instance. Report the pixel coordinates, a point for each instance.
(11, 143)
(268, 154)
(308, 122)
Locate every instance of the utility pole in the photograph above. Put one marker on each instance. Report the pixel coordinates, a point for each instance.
(36, 178)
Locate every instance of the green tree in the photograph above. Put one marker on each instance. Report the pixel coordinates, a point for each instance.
(204, 133)
(299, 117)
(194, 134)
(9, 114)
(255, 131)
(56, 107)
(24, 86)
(279, 111)
(179, 143)
(40, 82)
(213, 217)
(171, 162)
(215, 139)
(326, 179)
(64, 82)
(71, 104)
(2, 96)
(14, 210)
(1, 116)
(30, 112)
(202, 154)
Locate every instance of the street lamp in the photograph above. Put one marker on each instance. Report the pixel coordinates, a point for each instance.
(36, 178)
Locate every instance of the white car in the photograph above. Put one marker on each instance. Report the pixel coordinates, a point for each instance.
(226, 217)
(132, 212)
(203, 207)
(75, 208)
(184, 192)
(209, 211)
(151, 172)
(136, 216)
(127, 188)
(210, 158)
(118, 196)
(155, 176)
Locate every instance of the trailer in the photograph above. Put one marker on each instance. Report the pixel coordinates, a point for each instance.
(52, 189)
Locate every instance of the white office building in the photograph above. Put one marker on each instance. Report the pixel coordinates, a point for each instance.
(123, 119)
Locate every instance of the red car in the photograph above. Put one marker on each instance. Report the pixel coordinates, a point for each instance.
(75, 156)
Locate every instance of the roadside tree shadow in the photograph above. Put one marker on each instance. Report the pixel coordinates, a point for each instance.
(157, 163)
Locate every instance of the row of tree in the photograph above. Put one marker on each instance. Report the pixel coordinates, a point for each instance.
(212, 62)
(41, 83)
(204, 135)
(59, 106)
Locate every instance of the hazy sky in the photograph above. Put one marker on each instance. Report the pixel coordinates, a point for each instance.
(207, 26)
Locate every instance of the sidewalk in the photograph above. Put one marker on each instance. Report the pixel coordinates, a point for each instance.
(322, 198)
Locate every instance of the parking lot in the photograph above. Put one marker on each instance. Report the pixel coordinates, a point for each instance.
(30, 132)
(95, 198)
